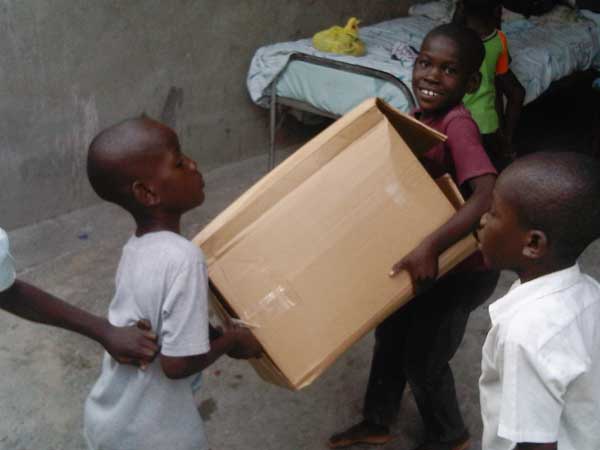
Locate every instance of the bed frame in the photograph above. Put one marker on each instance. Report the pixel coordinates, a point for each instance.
(282, 103)
(279, 104)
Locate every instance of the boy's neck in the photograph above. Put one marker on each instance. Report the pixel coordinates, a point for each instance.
(435, 114)
(152, 224)
(540, 269)
(482, 27)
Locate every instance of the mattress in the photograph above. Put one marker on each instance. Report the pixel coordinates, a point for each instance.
(543, 49)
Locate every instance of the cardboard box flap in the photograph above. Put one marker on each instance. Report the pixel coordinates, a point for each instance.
(284, 178)
(417, 135)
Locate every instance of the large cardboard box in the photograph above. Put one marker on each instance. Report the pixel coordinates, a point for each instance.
(305, 253)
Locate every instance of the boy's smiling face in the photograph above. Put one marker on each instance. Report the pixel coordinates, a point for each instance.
(440, 76)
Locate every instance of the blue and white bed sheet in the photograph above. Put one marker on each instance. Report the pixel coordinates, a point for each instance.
(547, 48)
(544, 49)
(595, 17)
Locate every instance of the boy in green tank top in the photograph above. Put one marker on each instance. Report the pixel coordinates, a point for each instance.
(496, 122)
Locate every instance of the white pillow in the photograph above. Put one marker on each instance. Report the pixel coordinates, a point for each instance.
(440, 11)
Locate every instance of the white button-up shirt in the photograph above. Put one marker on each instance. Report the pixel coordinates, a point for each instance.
(7, 264)
(540, 378)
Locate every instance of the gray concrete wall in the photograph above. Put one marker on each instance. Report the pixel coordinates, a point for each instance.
(69, 68)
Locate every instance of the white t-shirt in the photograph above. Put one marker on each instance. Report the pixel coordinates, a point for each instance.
(541, 364)
(7, 264)
(161, 277)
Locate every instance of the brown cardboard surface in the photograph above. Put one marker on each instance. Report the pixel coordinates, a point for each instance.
(305, 253)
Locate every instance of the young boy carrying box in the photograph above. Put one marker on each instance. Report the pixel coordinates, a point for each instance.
(541, 358)
(139, 166)
(416, 343)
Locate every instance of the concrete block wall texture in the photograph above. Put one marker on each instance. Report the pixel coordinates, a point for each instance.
(69, 68)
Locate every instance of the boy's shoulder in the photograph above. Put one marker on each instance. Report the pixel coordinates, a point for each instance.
(166, 248)
(495, 36)
(460, 111)
(462, 131)
(555, 336)
(462, 154)
(550, 319)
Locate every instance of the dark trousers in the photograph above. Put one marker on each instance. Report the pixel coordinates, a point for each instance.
(493, 147)
(415, 345)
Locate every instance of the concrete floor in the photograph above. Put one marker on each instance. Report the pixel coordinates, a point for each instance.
(47, 373)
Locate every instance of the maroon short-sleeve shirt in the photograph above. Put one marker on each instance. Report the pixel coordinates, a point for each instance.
(462, 156)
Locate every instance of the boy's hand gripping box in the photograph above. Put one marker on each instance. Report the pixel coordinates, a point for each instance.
(304, 254)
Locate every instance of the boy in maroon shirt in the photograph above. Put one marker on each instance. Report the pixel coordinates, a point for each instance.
(416, 343)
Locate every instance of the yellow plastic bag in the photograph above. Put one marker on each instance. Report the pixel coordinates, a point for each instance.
(344, 41)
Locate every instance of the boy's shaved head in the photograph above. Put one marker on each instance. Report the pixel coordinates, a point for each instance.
(122, 153)
(559, 194)
(469, 44)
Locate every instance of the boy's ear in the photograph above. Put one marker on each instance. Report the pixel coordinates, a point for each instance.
(144, 194)
(474, 82)
(536, 245)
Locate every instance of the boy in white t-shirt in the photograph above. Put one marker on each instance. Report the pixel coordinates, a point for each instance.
(541, 358)
(138, 165)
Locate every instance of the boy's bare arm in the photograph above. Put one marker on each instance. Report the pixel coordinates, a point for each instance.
(422, 262)
(509, 86)
(134, 344)
(234, 341)
(528, 446)
(239, 352)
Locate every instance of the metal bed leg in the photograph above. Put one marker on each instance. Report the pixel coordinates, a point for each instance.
(272, 128)
(596, 118)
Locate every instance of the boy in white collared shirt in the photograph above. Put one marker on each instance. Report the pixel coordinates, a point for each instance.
(541, 358)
